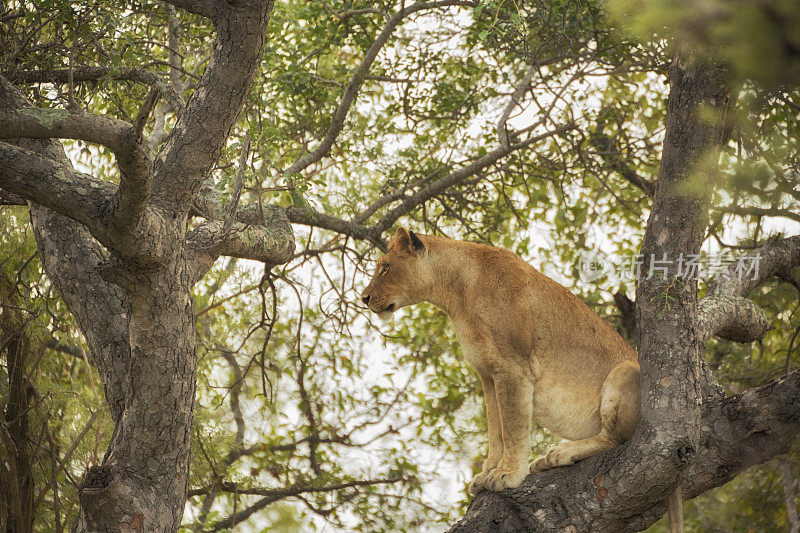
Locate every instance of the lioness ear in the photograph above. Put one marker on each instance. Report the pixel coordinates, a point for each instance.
(416, 244)
(401, 236)
(407, 240)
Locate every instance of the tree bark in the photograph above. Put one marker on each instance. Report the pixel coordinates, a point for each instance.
(143, 481)
(142, 337)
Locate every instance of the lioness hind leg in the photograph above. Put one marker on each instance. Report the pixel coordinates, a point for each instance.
(619, 414)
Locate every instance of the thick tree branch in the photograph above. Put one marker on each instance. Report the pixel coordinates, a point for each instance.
(339, 116)
(121, 137)
(266, 236)
(41, 123)
(670, 347)
(196, 142)
(49, 183)
(739, 432)
(736, 433)
(254, 214)
(775, 258)
(761, 423)
(71, 257)
(272, 243)
(732, 318)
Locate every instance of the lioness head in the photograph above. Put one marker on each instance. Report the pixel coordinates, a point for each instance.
(400, 277)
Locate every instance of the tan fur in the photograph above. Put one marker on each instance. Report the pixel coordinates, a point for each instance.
(539, 350)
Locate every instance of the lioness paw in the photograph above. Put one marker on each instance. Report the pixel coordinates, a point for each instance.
(539, 465)
(502, 478)
(478, 483)
(560, 455)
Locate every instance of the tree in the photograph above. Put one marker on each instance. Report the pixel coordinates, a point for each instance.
(131, 244)
(461, 155)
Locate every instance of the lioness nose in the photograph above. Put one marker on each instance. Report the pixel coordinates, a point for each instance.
(365, 299)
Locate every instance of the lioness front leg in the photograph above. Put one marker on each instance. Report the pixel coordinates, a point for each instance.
(495, 452)
(514, 393)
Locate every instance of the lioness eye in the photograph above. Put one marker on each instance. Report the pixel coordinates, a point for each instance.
(384, 268)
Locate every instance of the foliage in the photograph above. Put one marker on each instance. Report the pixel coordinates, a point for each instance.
(68, 425)
(298, 389)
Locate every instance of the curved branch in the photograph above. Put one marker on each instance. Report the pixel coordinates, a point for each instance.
(267, 237)
(772, 259)
(270, 244)
(726, 311)
(732, 318)
(39, 171)
(121, 137)
(49, 183)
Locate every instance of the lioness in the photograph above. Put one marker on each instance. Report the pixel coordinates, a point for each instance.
(538, 349)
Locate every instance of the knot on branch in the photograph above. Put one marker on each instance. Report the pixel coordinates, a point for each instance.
(731, 318)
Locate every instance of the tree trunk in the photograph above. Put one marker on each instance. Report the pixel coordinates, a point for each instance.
(143, 343)
(142, 483)
(142, 336)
